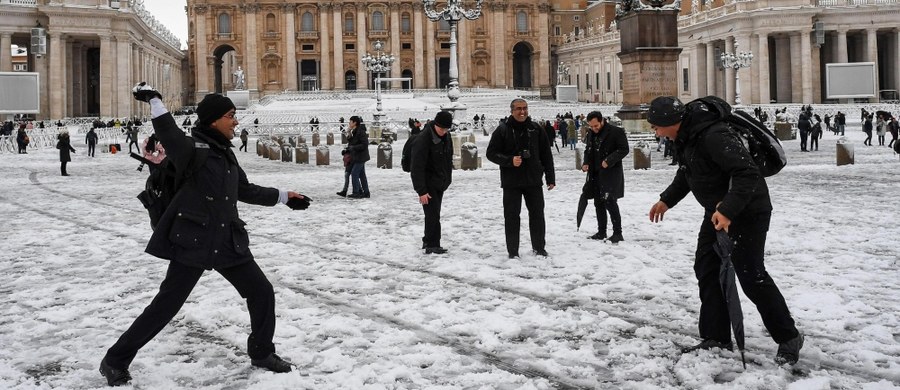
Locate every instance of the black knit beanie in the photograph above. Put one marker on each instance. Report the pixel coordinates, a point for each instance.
(213, 107)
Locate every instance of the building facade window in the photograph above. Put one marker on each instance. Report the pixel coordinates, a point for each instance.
(521, 22)
(348, 23)
(270, 23)
(443, 25)
(405, 25)
(378, 21)
(307, 22)
(224, 23)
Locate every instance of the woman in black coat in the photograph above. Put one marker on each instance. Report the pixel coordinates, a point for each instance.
(358, 145)
(65, 146)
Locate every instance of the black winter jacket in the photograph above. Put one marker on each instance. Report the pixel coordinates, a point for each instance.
(431, 162)
(358, 144)
(715, 166)
(508, 141)
(201, 227)
(610, 145)
(64, 145)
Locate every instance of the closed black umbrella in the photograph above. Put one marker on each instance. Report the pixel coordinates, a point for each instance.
(723, 248)
(589, 191)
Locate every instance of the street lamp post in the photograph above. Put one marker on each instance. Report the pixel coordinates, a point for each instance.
(736, 61)
(378, 64)
(452, 13)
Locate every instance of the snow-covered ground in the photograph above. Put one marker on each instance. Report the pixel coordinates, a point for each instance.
(361, 307)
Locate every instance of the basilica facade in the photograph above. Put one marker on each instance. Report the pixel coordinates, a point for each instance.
(89, 54)
(307, 45)
(792, 41)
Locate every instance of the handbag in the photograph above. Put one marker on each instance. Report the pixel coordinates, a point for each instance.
(348, 159)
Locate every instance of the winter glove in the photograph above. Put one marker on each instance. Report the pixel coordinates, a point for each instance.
(144, 92)
(299, 204)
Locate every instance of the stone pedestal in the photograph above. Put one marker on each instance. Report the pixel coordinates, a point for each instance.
(323, 157)
(301, 154)
(649, 60)
(241, 99)
(385, 159)
(784, 131)
(844, 153)
(641, 156)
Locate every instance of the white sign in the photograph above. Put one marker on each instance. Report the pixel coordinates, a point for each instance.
(19, 93)
(850, 80)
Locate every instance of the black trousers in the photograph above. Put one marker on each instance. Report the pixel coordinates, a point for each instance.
(136, 146)
(432, 237)
(868, 140)
(814, 142)
(180, 279)
(243, 146)
(749, 234)
(62, 167)
(512, 207)
(601, 206)
(91, 148)
(803, 136)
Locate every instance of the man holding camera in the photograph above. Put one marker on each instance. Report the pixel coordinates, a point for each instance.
(522, 150)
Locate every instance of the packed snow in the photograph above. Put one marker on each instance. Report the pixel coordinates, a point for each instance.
(360, 306)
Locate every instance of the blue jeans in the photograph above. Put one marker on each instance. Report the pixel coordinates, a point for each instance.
(359, 180)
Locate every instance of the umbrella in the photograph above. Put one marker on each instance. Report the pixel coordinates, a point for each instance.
(723, 248)
(883, 114)
(586, 193)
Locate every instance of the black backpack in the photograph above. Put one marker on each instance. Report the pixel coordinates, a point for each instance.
(405, 158)
(164, 183)
(764, 147)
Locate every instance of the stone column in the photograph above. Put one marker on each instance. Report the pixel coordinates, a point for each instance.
(56, 72)
(362, 78)
(711, 68)
(289, 65)
(543, 73)
(698, 65)
(70, 79)
(896, 62)
(842, 47)
(796, 68)
(5, 53)
(498, 54)
(762, 62)
(418, 47)
(396, 68)
(872, 56)
(805, 68)
(338, 32)
(463, 54)
(123, 74)
(744, 76)
(78, 79)
(430, 76)
(106, 76)
(200, 55)
(325, 76)
(251, 58)
(729, 73)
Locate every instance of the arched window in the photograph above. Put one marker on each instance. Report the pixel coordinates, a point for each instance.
(521, 22)
(307, 22)
(405, 25)
(348, 23)
(224, 23)
(270, 23)
(377, 21)
(444, 25)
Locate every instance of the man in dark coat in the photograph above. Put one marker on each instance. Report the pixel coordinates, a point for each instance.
(715, 166)
(201, 230)
(91, 140)
(804, 125)
(521, 149)
(358, 145)
(605, 147)
(431, 171)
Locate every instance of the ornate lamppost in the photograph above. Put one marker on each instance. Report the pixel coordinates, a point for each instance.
(378, 64)
(452, 13)
(736, 61)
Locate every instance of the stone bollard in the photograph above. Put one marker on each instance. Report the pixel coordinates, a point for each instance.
(344, 139)
(301, 154)
(301, 139)
(469, 157)
(323, 157)
(385, 156)
(457, 142)
(579, 155)
(315, 139)
(641, 153)
(844, 152)
(264, 150)
(329, 138)
(286, 153)
(274, 153)
(784, 131)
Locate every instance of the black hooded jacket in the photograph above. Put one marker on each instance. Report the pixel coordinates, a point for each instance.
(513, 139)
(431, 161)
(201, 227)
(716, 167)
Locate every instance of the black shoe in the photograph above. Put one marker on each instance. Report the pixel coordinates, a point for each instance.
(342, 193)
(513, 255)
(616, 237)
(366, 195)
(708, 344)
(540, 252)
(114, 377)
(272, 363)
(356, 196)
(598, 236)
(436, 250)
(65, 174)
(789, 351)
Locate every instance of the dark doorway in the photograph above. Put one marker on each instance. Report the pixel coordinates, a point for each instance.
(350, 80)
(443, 70)
(93, 86)
(220, 53)
(522, 54)
(407, 84)
(309, 75)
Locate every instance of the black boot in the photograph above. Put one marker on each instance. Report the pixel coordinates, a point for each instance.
(272, 363)
(789, 351)
(114, 376)
(342, 193)
(616, 238)
(708, 344)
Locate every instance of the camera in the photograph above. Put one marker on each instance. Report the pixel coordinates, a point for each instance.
(526, 154)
